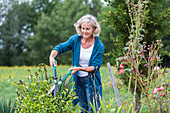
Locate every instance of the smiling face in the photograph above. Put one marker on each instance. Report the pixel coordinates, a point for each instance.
(87, 30)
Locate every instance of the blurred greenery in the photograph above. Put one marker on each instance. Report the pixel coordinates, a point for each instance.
(29, 30)
(156, 25)
(16, 73)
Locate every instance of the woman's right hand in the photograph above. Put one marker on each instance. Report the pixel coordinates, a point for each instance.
(51, 58)
(52, 62)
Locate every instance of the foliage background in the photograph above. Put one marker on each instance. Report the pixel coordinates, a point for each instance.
(109, 98)
(29, 30)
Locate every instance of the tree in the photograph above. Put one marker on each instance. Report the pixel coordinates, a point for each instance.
(18, 19)
(155, 22)
(37, 7)
(117, 17)
(32, 22)
(107, 36)
(13, 32)
(95, 7)
(56, 28)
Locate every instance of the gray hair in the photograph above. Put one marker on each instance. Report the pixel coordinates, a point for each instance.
(88, 19)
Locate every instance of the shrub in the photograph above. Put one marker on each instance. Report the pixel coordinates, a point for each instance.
(7, 107)
(32, 94)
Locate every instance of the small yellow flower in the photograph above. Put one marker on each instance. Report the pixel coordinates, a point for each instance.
(107, 106)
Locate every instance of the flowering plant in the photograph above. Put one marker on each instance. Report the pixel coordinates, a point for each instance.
(140, 64)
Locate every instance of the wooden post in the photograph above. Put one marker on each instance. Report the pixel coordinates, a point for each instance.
(115, 86)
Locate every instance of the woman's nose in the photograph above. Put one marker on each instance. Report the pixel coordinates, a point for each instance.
(85, 30)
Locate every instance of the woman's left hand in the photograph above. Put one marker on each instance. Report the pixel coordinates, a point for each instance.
(74, 69)
(86, 69)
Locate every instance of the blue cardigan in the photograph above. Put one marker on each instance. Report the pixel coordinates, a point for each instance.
(74, 44)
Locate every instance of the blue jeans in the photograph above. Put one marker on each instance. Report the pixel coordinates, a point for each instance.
(83, 94)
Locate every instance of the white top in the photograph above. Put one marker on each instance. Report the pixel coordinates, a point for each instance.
(85, 55)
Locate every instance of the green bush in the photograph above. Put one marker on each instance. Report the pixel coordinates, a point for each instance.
(7, 107)
(32, 94)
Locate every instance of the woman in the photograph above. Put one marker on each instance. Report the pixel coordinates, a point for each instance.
(87, 52)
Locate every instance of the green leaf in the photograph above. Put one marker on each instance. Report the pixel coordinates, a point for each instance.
(93, 106)
(130, 107)
(113, 110)
(139, 38)
(119, 109)
(129, 70)
(145, 2)
(125, 48)
(130, 37)
(102, 105)
(141, 35)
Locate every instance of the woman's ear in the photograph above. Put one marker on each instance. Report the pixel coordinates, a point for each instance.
(94, 28)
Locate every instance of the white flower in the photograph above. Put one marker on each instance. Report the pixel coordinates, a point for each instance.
(156, 68)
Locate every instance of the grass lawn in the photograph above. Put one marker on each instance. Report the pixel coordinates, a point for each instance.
(22, 73)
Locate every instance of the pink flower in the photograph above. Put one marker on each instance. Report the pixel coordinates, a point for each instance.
(133, 70)
(121, 66)
(140, 75)
(151, 59)
(153, 77)
(155, 50)
(163, 94)
(121, 71)
(155, 90)
(160, 88)
(143, 50)
(156, 68)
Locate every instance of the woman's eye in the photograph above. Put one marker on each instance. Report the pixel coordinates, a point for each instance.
(85, 28)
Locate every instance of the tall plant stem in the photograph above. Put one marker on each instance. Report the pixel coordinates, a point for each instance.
(148, 78)
(149, 104)
(128, 92)
(134, 95)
